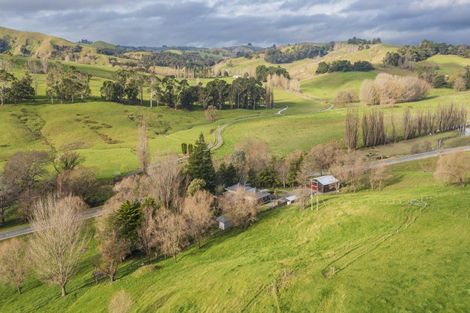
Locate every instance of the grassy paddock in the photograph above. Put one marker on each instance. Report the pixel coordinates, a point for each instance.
(361, 252)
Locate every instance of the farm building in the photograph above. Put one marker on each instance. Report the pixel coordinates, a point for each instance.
(261, 196)
(224, 222)
(324, 184)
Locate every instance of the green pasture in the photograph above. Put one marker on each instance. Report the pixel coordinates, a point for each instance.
(403, 249)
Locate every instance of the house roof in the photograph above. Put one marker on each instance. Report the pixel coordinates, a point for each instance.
(259, 194)
(326, 180)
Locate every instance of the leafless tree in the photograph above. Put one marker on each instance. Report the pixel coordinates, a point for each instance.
(240, 206)
(58, 242)
(303, 194)
(345, 97)
(142, 149)
(13, 262)
(349, 169)
(148, 230)
(79, 182)
(257, 154)
(172, 232)
(113, 250)
(351, 136)
(325, 155)
(197, 210)
(378, 176)
(121, 302)
(211, 113)
(373, 128)
(166, 182)
(453, 168)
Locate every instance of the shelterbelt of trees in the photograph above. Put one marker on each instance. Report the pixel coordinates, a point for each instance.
(243, 92)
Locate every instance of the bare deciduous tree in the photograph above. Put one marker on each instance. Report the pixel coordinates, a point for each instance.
(257, 154)
(113, 250)
(165, 182)
(211, 113)
(325, 155)
(453, 168)
(172, 232)
(240, 206)
(58, 241)
(349, 169)
(13, 262)
(378, 176)
(197, 210)
(344, 97)
(148, 230)
(142, 149)
(351, 135)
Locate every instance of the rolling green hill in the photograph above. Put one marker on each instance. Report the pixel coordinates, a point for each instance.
(361, 252)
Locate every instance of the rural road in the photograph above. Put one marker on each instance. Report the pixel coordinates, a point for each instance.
(418, 156)
(26, 229)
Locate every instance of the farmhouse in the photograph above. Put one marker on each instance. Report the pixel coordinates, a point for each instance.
(261, 196)
(324, 184)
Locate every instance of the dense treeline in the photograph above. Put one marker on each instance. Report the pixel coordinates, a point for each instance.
(263, 71)
(175, 60)
(375, 130)
(426, 49)
(344, 66)
(298, 52)
(243, 92)
(360, 41)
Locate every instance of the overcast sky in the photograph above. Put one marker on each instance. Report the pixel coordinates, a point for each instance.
(229, 22)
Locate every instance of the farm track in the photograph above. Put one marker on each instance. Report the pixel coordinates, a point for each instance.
(361, 249)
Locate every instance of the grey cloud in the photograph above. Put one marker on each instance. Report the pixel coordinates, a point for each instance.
(212, 23)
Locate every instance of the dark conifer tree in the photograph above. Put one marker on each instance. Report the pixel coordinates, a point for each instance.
(200, 164)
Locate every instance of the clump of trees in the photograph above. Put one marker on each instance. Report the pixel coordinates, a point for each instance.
(67, 84)
(390, 89)
(376, 131)
(13, 90)
(178, 94)
(462, 82)
(263, 71)
(297, 52)
(344, 66)
(280, 81)
(359, 41)
(344, 97)
(26, 177)
(408, 55)
(453, 168)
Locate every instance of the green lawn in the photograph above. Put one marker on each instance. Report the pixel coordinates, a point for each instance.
(404, 249)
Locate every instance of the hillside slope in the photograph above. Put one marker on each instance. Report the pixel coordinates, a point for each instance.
(360, 252)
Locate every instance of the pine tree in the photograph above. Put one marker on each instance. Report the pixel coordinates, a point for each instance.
(200, 164)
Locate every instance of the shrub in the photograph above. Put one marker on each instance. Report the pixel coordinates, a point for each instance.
(389, 89)
(345, 97)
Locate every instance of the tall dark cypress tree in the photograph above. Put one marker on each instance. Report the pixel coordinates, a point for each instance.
(200, 164)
